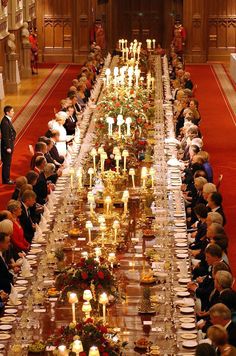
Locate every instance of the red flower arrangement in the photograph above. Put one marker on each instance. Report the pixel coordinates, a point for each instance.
(90, 333)
(87, 274)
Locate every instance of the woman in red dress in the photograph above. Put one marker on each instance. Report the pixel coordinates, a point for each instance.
(18, 240)
(34, 51)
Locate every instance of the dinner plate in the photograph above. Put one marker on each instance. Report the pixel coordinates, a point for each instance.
(180, 224)
(184, 280)
(10, 311)
(21, 282)
(182, 255)
(188, 326)
(180, 289)
(5, 336)
(181, 251)
(181, 239)
(28, 276)
(32, 262)
(181, 244)
(187, 310)
(35, 245)
(5, 327)
(31, 257)
(183, 294)
(20, 296)
(7, 319)
(186, 320)
(188, 336)
(20, 288)
(16, 304)
(2, 346)
(34, 251)
(189, 343)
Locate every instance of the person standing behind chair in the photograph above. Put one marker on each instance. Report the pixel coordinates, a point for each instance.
(8, 136)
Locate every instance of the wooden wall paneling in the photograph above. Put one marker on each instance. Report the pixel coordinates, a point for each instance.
(195, 21)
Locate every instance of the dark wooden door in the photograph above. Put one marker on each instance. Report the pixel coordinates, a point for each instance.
(140, 19)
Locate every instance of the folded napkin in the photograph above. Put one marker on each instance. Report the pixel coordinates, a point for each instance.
(43, 223)
(46, 212)
(25, 268)
(13, 297)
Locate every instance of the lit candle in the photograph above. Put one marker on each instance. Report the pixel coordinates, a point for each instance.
(89, 227)
(152, 173)
(137, 75)
(154, 43)
(103, 158)
(87, 295)
(120, 122)
(93, 153)
(128, 121)
(77, 347)
(90, 172)
(86, 308)
(110, 122)
(116, 72)
(98, 252)
(111, 258)
(125, 154)
(72, 173)
(108, 72)
(73, 299)
(91, 201)
(101, 219)
(108, 203)
(126, 42)
(62, 350)
(80, 175)
(132, 174)
(93, 351)
(125, 199)
(103, 299)
(144, 176)
(116, 225)
(103, 229)
(117, 159)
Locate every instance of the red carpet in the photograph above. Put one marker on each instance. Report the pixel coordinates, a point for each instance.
(218, 127)
(36, 127)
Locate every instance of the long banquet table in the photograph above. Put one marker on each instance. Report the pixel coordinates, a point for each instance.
(169, 265)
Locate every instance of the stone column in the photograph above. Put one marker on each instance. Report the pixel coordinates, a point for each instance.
(12, 64)
(26, 66)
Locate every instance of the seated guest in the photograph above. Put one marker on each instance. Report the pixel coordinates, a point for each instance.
(213, 217)
(221, 315)
(6, 276)
(3, 300)
(207, 166)
(188, 84)
(28, 201)
(23, 189)
(32, 177)
(42, 188)
(48, 155)
(200, 241)
(199, 183)
(214, 201)
(208, 189)
(39, 150)
(193, 105)
(19, 182)
(17, 238)
(71, 121)
(5, 214)
(220, 339)
(74, 102)
(205, 284)
(40, 163)
(205, 349)
(54, 151)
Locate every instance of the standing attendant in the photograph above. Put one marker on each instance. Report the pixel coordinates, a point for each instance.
(8, 136)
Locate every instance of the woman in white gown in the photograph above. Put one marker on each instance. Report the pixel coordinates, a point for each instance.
(61, 117)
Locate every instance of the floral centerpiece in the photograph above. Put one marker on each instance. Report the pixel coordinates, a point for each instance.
(90, 333)
(87, 274)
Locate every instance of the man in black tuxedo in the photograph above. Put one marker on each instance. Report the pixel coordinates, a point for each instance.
(55, 137)
(28, 201)
(220, 314)
(8, 136)
(214, 201)
(6, 278)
